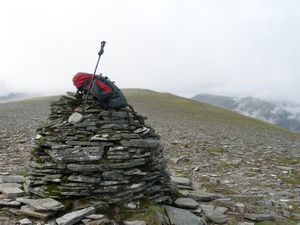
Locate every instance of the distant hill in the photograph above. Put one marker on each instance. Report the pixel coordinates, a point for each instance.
(283, 114)
(13, 96)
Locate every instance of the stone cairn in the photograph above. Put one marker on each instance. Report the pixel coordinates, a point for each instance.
(100, 154)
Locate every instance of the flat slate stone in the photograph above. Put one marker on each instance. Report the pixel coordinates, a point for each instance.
(10, 203)
(217, 218)
(95, 216)
(207, 209)
(135, 222)
(183, 187)
(88, 143)
(84, 167)
(215, 214)
(75, 118)
(12, 179)
(27, 211)
(84, 124)
(124, 165)
(42, 204)
(202, 196)
(183, 217)
(121, 114)
(112, 175)
(84, 179)
(198, 211)
(187, 203)
(116, 126)
(10, 185)
(181, 181)
(98, 222)
(83, 154)
(24, 222)
(142, 143)
(11, 191)
(75, 217)
(258, 217)
(46, 165)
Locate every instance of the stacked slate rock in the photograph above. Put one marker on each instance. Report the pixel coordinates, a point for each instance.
(100, 154)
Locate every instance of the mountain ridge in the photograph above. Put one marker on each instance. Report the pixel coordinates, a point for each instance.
(283, 114)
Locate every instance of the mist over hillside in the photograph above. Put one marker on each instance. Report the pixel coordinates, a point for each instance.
(282, 113)
(13, 96)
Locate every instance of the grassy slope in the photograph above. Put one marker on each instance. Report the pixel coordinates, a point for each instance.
(174, 106)
(170, 103)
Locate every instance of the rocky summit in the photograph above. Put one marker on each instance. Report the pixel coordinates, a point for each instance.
(98, 154)
(226, 168)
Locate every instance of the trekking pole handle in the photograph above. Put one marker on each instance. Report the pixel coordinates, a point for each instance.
(102, 48)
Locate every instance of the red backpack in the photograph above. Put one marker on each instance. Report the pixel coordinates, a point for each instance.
(103, 89)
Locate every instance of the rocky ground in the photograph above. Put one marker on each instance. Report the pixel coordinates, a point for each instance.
(253, 166)
(18, 121)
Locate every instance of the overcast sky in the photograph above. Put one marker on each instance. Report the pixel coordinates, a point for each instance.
(232, 47)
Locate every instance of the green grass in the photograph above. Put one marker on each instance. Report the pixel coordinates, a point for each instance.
(218, 150)
(68, 203)
(289, 160)
(173, 104)
(21, 172)
(53, 190)
(225, 166)
(149, 214)
(294, 178)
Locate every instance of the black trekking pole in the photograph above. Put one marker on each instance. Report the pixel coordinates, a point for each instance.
(94, 74)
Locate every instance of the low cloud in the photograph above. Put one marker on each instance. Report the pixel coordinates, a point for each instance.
(235, 48)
